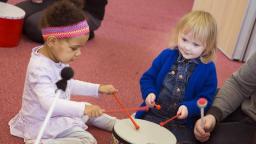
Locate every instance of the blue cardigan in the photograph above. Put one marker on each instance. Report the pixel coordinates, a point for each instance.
(202, 83)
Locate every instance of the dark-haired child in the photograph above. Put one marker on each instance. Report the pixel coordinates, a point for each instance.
(65, 31)
(93, 9)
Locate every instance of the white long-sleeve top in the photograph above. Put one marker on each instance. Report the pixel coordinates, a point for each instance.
(38, 94)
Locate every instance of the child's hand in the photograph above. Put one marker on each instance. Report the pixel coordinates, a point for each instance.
(182, 112)
(150, 100)
(107, 89)
(93, 111)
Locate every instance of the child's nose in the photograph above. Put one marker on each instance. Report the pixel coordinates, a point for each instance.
(187, 47)
(78, 53)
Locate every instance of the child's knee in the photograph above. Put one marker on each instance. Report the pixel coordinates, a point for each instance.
(88, 139)
(105, 122)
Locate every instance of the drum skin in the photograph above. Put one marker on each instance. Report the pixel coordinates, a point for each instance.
(149, 133)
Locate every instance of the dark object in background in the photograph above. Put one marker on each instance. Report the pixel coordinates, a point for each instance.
(94, 11)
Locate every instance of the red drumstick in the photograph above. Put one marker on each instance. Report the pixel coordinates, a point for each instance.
(126, 112)
(156, 106)
(169, 120)
(145, 108)
(202, 103)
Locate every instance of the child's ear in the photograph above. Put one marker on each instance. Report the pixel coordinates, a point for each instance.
(51, 41)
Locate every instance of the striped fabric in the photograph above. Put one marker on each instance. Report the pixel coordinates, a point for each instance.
(79, 29)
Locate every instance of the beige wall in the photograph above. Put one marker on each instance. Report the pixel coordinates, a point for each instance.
(229, 15)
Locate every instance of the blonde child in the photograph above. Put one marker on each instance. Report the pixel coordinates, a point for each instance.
(181, 75)
(65, 31)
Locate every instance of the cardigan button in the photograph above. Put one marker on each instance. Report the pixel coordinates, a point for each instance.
(180, 77)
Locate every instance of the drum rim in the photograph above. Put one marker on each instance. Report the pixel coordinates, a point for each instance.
(20, 16)
(115, 132)
(119, 138)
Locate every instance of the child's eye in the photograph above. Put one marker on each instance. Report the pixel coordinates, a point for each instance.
(74, 48)
(196, 44)
(184, 39)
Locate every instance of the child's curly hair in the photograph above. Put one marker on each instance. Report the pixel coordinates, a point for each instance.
(63, 13)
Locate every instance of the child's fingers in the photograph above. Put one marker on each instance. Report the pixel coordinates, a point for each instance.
(90, 114)
(115, 91)
(148, 103)
(107, 89)
(152, 101)
(180, 113)
(98, 113)
(112, 89)
(180, 116)
(95, 113)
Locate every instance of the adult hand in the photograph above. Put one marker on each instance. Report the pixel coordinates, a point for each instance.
(107, 89)
(182, 112)
(203, 133)
(93, 111)
(150, 100)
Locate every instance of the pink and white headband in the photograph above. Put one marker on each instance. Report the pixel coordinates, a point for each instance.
(79, 29)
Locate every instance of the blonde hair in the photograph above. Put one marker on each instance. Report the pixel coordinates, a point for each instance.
(203, 27)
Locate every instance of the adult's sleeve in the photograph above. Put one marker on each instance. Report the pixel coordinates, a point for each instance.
(236, 89)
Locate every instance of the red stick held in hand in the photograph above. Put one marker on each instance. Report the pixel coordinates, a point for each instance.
(202, 103)
(125, 111)
(169, 120)
(145, 108)
(156, 106)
